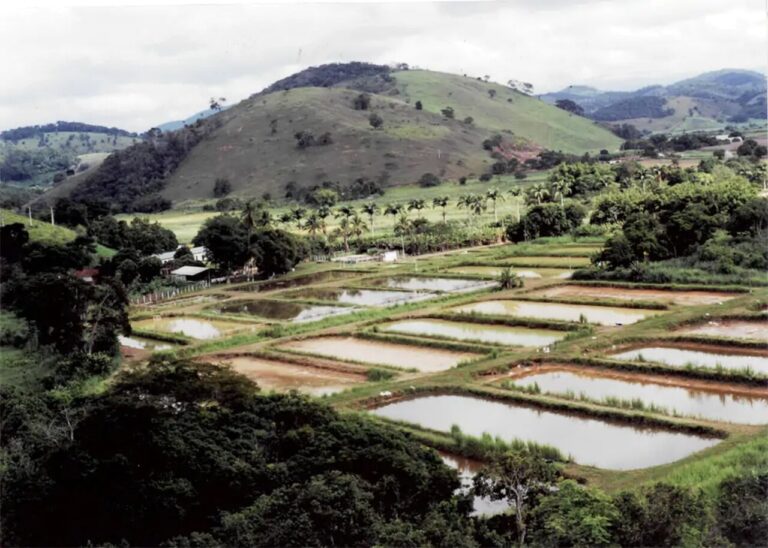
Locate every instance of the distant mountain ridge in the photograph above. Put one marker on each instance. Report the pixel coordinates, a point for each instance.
(713, 98)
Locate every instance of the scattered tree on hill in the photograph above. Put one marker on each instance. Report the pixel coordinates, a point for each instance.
(418, 105)
(491, 93)
(429, 180)
(570, 106)
(448, 112)
(375, 120)
(469, 120)
(362, 101)
(221, 187)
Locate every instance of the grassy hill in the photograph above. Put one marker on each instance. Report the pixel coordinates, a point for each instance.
(45, 232)
(255, 159)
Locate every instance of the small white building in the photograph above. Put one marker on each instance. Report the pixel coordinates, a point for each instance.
(389, 257)
(190, 273)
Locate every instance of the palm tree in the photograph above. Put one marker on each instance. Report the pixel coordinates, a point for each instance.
(478, 205)
(539, 192)
(418, 205)
(394, 210)
(465, 201)
(357, 226)
(515, 193)
(441, 202)
(324, 212)
(344, 230)
(297, 214)
(494, 195)
(370, 209)
(561, 188)
(249, 215)
(285, 218)
(314, 224)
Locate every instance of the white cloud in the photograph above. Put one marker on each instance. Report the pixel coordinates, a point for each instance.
(135, 67)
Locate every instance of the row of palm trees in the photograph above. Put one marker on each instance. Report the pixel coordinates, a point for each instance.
(351, 221)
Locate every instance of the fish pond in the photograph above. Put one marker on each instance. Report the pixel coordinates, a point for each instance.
(731, 329)
(495, 271)
(718, 405)
(588, 441)
(283, 310)
(539, 260)
(358, 297)
(298, 281)
(143, 343)
(601, 315)
(279, 376)
(426, 283)
(470, 331)
(687, 298)
(405, 356)
(196, 328)
(681, 357)
(467, 469)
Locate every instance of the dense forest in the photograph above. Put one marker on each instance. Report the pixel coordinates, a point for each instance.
(30, 132)
(329, 75)
(634, 107)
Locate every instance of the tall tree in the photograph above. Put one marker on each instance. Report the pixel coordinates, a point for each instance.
(494, 195)
(441, 202)
(370, 209)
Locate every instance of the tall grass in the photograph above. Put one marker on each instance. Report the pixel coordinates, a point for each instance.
(486, 446)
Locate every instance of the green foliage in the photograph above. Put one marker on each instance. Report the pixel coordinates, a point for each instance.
(276, 251)
(508, 279)
(226, 240)
(376, 374)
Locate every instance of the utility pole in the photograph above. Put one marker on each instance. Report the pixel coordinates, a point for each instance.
(52, 221)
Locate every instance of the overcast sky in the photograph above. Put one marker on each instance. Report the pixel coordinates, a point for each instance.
(136, 67)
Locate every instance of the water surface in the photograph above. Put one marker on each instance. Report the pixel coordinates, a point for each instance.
(602, 315)
(359, 297)
(732, 329)
(191, 327)
(588, 441)
(423, 283)
(285, 311)
(688, 298)
(488, 333)
(405, 356)
(308, 279)
(564, 262)
(467, 469)
(680, 357)
(495, 271)
(143, 343)
(692, 402)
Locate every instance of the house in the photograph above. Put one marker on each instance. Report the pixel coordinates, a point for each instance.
(191, 273)
(89, 275)
(199, 253)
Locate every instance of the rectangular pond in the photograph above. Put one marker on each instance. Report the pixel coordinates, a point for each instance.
(405, 356)
(687, 298)
(284, 311)
(731, 329)
(470, 331)
(279, 376)
(495, 271)
(196, 328)
(601, 315)
(589, 441)
(358, 297)
(680, 357)
(688, 401)
(298, 281)
(429, 284)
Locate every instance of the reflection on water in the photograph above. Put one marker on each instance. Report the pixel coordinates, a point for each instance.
(359, 297)
(278, 283)
(588, 441)
(602, 315)
(680, 357)
(467, 468)
(495, 271)
(142, 343)
(191, 327)
(686, 401)
(423, 283)
(281, 310)
(497, 334)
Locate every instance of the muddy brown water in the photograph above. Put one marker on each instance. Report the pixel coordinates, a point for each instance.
(285, 311)
(429, 284)
(467, 469)
(589, 441)
(720, 405)
(196, 328)
(687, 298)
(680, 357)
(732, 329)
(470, 331)
(601, 315)
(273, 375)
(358, 297)
(405, 356)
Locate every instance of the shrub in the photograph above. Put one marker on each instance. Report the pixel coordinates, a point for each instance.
(429, 180)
